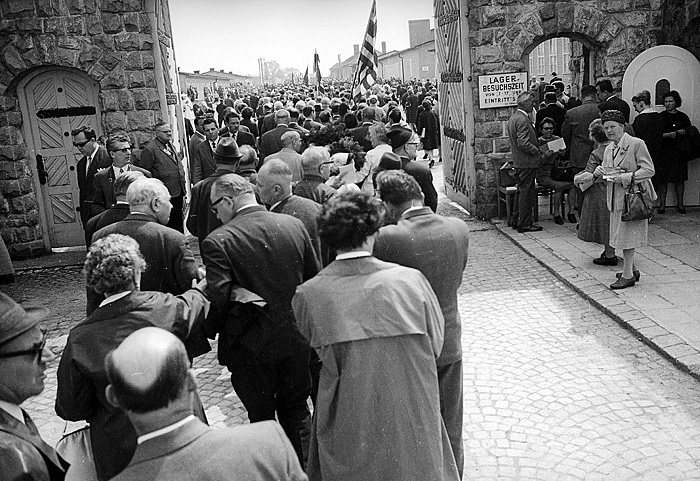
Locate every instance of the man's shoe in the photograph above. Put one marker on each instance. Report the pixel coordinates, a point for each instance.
(622, 283)
(558, 220)
(681, 210)
(532, 228)
(605, 261)
(635, 272)
(572, 218)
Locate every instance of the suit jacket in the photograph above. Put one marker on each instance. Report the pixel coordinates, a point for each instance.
(170, 264)
(292, 158)
(81, 373)
(437, 246)
(424, 177)
(242, 138)
(616, 103)
(201, 220)
(24, 455)
(254, 452)
(271, 141)
(196, 139)
(575, 131)
(112, 215)
(252, 126)
(266, 123)
(307, 212)
(634, 159)
(203, 164)
(103, 188)
(164, 163)
(523, 142)
(270, 255)
(102, 160)
(314, 187)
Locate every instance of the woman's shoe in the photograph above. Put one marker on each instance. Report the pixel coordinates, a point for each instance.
(558, 220)
(605, 261)
(425, 156)
(681, 210)
(635, 272)
(572, 218)
(622, 283)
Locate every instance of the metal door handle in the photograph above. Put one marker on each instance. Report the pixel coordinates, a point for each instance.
(43, 175)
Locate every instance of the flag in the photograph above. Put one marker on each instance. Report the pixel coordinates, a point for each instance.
(366, 74)
(317, 68)
(306, 76)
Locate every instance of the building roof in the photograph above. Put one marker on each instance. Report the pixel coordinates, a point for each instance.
(398, 52)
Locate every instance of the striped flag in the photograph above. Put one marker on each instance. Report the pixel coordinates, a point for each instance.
(317, 68)
(366, 74)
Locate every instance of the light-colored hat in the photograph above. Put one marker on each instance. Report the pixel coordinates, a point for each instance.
(15, 321)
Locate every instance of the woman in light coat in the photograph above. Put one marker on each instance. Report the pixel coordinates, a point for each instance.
(626, 160)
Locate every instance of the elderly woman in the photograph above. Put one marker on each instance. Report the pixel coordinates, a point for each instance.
(113, 268)
(594, 225)
(626, 161)
(673, 165)
(359, 312)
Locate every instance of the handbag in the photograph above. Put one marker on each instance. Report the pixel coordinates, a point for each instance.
(689, 144)
(564, 171)
(506, 175)
(75, 448)
(638, 204)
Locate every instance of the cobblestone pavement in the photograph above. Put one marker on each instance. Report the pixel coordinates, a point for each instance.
(554, 389)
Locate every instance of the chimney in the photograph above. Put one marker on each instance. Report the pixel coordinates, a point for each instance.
(356, 47)
(197, 72)
(221, 71)
(211, 69)
(383, 48)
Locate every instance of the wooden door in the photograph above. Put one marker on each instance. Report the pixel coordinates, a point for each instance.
(659, 70)
(54, 102)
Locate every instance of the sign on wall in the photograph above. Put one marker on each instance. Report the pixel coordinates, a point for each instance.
(501, 90)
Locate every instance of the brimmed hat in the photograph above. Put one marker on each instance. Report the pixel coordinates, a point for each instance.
(390, 161)
(398, 136)
(15, 321)
(227, 150)
(613, 115)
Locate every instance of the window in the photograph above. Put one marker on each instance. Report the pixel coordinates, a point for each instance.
(662, 88)
(566, 53)
(553, 65)
(540, 59)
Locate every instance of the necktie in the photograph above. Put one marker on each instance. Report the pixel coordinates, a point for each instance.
(213, 146)
(121, 171)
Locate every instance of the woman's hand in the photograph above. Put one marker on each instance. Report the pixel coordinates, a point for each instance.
(680, 132)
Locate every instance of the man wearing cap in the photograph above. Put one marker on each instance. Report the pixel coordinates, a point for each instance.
(103, 195)
(271, 141)
(203, 164)
(404, 142)
(23, 357)
(202, 220)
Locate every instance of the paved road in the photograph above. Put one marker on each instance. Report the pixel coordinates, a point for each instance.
(553, 388)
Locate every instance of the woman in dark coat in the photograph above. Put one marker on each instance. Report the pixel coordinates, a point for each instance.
(673, 165)
(428, 128)
(113, 267)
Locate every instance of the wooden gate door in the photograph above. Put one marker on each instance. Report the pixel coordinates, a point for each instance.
(54, 102)
(456, 107)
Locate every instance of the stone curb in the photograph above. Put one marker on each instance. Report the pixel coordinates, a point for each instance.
(672, 347)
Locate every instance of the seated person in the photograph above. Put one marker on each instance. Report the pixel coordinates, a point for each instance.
(544, 175)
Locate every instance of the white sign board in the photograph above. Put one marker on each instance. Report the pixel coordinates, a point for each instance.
(501, 90)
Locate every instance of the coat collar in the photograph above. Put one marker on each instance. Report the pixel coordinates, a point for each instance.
(119, 307)
(170, 442)
(409, 214)
(143, 217)
(249, 210)
(29, 433)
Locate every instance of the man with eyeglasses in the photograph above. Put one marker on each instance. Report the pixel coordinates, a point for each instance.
(313, 182)
(119, 149)
(94, 157)
(163, 162)
(23, 358)
(405, 143)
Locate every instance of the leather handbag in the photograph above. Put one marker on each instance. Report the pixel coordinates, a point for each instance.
(638, 203)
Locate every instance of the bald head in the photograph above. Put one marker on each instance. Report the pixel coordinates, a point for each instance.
(148, 370)
(288, 139)
(282, 117)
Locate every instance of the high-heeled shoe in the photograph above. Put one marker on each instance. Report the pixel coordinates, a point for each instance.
(622, 283)
(431, 164)
(635, 272)
(681, 210)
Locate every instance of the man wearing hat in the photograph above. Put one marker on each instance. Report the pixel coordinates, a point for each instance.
(23, 358)
(202, 220)
(404, 142)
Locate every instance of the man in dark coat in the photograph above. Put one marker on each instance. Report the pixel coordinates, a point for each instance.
(575, 127)
(269, 255)
(271, 141)
(313, 184)
(119, 149)
(404, 142)
(203, 164)
(23, 357)
(202, 221)
(361, 134)
(171, 264)
(95, 157)
(232, 129)
(437, 246)
(609, 100)
(118, 211)
(163, 162)
(552, 110)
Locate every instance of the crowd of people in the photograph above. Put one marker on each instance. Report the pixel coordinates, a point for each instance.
(589, 152)
(322, 255)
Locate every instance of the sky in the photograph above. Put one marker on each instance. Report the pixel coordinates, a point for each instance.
(231, 35)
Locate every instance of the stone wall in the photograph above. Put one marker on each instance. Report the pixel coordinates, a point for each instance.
(111, 41)
(682, 24)
(502, 34)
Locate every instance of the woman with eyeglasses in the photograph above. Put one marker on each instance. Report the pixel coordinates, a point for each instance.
(544, 174)
(113, 268)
